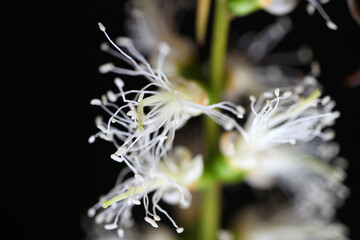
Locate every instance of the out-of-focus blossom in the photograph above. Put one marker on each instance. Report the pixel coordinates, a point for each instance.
(170, 183)
(285, 144)
(284, 224)
(154, 22)
(281, 7)
(253, 68)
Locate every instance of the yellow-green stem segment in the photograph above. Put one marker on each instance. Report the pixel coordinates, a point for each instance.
(211, 198)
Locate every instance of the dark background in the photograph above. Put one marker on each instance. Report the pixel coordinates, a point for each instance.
(55, 174)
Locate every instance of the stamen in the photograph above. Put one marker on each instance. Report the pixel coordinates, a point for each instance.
(106, 67)
(110, 226)
(116, 158)
(151, 222)
(91, 139)
(119, 83)
(121, 232)
(96, 102)
(91, 212)
(120, 151)
(102, 27)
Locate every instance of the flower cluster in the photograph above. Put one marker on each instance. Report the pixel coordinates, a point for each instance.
(281, 139)
(145, 125)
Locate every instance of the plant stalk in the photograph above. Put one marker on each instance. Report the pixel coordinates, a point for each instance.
(211, 199)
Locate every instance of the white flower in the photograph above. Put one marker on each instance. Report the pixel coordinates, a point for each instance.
(283, 143)
(148, 121)
(257, 224)
(163, 182)
(281, 7)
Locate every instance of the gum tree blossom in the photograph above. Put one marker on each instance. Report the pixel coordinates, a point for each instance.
(281, 7)
(285, 144)
(148, 121)
(156, 178)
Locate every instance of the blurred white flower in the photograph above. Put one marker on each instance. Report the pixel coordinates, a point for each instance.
(284, 224)
(153, 22)
(281, 7)
(253, 68)
(170, 184)
(284, 144)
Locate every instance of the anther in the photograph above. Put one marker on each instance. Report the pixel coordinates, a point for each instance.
(120, 151)
(106, 67)
(119, 83)
(179, 230)
(277, 92)
(102, 27)
(164, 48)
(136, 202)
(111, 96)
(116, 158)
(110, 226)
(151, 222)
(120, 232)
(96, 102)
(287, 94)
(123, 41)
(331, 25)
(91, 139)
(141, 96)
(104, 47)
(91, 212)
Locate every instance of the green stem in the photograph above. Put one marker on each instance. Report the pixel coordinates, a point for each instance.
(218, 47)
(211, 199)
(210, 213)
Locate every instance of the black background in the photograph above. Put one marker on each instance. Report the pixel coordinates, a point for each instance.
(55, 174)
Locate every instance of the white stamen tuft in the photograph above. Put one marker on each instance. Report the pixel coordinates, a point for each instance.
(105, 68)
(102, 27)
(179, 230)
(252, 98)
